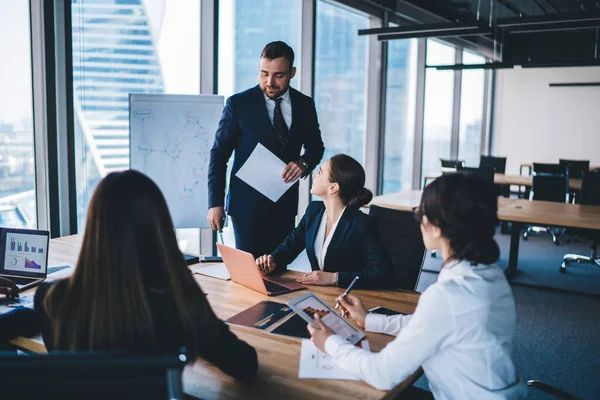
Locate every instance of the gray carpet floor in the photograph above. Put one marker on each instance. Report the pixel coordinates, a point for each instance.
(558, 315)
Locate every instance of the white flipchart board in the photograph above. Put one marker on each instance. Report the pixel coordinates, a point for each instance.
(170, 137)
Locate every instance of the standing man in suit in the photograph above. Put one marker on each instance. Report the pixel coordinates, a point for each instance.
(283, 120)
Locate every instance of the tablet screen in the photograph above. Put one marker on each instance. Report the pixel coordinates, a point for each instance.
(307, 305)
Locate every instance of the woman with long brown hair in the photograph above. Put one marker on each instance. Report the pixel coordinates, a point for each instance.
(131, 289)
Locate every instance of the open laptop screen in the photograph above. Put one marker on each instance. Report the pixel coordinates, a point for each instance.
(24, 252)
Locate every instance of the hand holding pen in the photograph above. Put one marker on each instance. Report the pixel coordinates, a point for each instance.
(347, 291)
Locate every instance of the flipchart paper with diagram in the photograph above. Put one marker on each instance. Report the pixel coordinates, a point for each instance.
(170, 141)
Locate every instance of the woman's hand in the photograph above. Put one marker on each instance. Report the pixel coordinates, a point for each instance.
(265, 264)
(320, 334)
(317, 278)
(351, 305)
(8, 287)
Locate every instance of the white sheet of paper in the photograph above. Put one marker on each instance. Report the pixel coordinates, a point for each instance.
(314, 364)
(262, 170)
(218, 271)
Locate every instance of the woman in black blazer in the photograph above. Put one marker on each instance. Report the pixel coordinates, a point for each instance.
(341, 241)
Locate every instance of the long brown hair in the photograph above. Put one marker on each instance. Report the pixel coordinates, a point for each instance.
(129, 248)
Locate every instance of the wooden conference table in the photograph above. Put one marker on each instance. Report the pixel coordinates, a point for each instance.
(517, 211)
(518, 180)
(279, 356)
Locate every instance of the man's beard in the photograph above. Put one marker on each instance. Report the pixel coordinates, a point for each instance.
(279, 92)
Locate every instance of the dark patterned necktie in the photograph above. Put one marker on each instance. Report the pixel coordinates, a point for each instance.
(281, 129)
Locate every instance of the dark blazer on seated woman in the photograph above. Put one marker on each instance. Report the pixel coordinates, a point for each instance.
(220, 347)
(355, 248)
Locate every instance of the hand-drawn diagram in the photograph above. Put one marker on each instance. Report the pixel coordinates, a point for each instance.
(170, 141)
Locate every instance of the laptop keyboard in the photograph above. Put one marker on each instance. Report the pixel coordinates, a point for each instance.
(21, 281)
(274, 288)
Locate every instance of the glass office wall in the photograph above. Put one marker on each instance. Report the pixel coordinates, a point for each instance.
(121, 48)
(401, 91)
(471, 110)
(245, 27)
(340, 79)
(439, 99)
(17, 167)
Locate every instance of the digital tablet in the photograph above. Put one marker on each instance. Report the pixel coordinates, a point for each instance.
(308, 304)
(384, 311)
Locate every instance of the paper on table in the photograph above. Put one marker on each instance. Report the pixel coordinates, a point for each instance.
(218, 271)
(262, 170)
(314, 364)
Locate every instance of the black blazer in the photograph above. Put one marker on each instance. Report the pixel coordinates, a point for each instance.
(232, 355)
(355, 248)
(245, 123)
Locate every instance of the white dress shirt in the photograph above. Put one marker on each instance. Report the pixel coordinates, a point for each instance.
(460, 333)
(286, 108)
(321, 242)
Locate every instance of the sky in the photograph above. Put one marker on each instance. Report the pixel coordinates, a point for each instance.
(15, 65)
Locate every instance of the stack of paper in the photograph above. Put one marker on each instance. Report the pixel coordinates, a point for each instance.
(318, 365)
(218, 271)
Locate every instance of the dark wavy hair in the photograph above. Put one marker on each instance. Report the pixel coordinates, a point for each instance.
(465, 208)
(278, 49)
(350, 176)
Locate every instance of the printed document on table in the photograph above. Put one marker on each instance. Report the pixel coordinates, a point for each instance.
(218, 271)
(262, 170)
(314, 364)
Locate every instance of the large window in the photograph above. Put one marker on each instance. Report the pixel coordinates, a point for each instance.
(400, 115)
(471, 110)
(340, 79)
(17, 174)
(119, 48)
(439, 99)
(245, 27)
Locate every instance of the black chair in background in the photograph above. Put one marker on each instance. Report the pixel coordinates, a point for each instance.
(576, 169)
(590, 195)
(498, 163)
(550, 182)
(451, 165)
(401, 236)
(486, 173)
(92, 376)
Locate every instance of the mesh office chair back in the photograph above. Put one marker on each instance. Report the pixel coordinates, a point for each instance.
(401, 236)
(92, 376)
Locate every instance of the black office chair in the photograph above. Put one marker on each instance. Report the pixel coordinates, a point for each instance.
(451, 165)
(486, 173)
(401, 236)
(498, 163)
(92, 376)
(590, 195)
(576, 169)
(549, 183)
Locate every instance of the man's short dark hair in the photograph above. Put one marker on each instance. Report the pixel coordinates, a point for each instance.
(278, 49)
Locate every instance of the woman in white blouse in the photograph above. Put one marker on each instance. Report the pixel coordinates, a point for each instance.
(341, 241)
(462, 330)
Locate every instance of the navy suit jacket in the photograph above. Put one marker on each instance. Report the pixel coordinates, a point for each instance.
(355, 248)
(245, 123)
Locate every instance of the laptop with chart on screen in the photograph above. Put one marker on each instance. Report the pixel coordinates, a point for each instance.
(24, 256)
